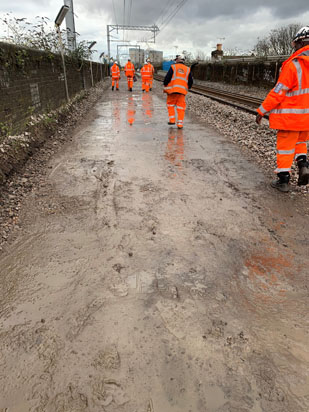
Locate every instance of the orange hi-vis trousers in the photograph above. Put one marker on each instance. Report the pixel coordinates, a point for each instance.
(115, 81)
(145, 84)
(290, 145)
(176, 101)
(130, 82)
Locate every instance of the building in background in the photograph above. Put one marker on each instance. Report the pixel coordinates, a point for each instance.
(137, 56)
(155, 56)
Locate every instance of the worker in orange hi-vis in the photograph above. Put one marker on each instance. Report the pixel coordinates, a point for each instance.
(115, 73)
(146, 75)
(176, 84)
(151, 68)
(129, 72)
(288, 107)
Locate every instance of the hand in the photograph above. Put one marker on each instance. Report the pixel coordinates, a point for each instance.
(258, 118)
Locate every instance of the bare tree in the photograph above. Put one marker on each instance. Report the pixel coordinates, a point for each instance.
(200, 55)
(278, 41)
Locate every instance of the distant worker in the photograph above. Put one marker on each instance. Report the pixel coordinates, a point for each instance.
(129, 72)
(115, 73)
(152, 73)
(146, 75)
(288, 107)
(176, 84)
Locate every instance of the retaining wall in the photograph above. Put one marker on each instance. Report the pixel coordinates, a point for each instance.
(259, 73)
(32, 81)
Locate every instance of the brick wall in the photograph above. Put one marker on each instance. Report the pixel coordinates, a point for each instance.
(32, 81)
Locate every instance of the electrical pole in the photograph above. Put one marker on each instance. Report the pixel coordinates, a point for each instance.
(69, 20)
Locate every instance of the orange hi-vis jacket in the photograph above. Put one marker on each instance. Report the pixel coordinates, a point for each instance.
(129, 69)
(151, 69)
(288, 101)
(146, 72)
(115, 72)
(179, 82)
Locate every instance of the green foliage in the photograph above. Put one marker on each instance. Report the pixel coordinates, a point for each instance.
(5, 130)
(39, 35)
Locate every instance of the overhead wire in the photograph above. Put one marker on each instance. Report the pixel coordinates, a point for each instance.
(172, 15)
(165, 8)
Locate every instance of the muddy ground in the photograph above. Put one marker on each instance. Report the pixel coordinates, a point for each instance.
(154, 270)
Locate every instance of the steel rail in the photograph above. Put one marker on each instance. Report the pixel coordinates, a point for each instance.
(241, 101)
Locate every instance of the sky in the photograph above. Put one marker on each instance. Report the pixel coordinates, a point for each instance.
(197, 26)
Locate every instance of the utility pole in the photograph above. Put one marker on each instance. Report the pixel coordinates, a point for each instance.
(69, 20)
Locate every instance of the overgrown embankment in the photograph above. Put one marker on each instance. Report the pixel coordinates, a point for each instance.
(33, 99)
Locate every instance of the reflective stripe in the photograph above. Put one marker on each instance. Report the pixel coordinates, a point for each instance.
(301, 143)
(177, 85)
(300, 154)
(179, 107)
(286, 152)
(305, 53)
(261, 108)
(297, 92)
(278, 170)
(170, 105)
(290, 111)
(179, 78)
(299, 72)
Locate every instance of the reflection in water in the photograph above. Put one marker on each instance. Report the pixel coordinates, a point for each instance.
(116, 113)
(175, 148)
(131, 111)
(147, 105)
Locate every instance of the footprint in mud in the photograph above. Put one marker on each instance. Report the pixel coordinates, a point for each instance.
(109, 391)
(71, 400)
(119, 289)
(107, 359)
(83, 318)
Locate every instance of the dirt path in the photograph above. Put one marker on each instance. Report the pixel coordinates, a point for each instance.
(155, 272)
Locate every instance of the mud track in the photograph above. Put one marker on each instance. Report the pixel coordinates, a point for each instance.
(154, 272)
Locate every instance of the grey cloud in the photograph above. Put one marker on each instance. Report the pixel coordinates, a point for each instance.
(149, 12)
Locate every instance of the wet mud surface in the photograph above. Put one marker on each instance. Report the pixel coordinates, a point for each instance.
(154, 271)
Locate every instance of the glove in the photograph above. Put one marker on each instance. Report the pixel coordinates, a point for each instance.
(258, 118)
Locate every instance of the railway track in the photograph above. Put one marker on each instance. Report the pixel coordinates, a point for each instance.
(240, 101)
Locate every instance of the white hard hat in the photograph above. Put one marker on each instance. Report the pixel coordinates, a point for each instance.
(129, 59)
(148, 60)
(180, 57)
(115, 62)
(302, 34)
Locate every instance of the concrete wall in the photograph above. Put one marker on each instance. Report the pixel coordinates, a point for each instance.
(32, 81)
(261, 74)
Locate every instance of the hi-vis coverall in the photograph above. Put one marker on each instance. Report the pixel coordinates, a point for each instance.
(115, 71)
(146, 76)
(151, 69)
(288, 105)
(129, 72)
(176, 84)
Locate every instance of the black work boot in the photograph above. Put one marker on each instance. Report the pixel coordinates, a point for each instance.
(112, 87)
(282, 183)
(303, 172)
